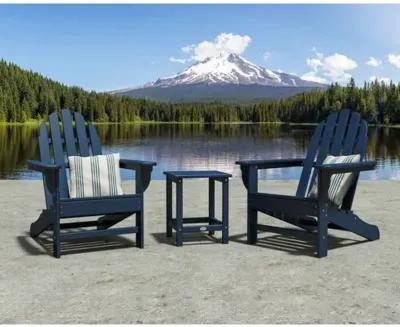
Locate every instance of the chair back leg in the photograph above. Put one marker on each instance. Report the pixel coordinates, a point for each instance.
(252, 220)
(322, 241)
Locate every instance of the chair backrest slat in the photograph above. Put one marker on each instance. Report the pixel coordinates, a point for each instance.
(352, 132)
(342, 133)
(44, 144)
(81, 135)
(68, 133)
(94, 140)
(45, 158)
(325, 144)
(309, 161)
(326, 139)
(361, 145)
(68, 141)
(58, 150)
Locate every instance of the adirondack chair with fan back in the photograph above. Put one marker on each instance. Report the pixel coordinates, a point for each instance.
(342, 133)
(78, 138)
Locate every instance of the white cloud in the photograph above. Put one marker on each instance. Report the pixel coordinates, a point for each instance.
(314, 63)
(313, 77)
(318, 54)
(178, 60)
(224, 43)
(267, 56)
(394, 59)
(374, 62)
(333, 68)
(385, 80)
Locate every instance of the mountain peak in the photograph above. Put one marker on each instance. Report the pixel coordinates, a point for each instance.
(226, 77)
(229, 68)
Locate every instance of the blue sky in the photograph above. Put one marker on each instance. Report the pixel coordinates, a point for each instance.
(107, 47)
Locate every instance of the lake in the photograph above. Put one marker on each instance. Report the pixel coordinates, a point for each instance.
(198, 146)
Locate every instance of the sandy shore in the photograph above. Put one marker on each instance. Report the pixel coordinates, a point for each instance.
(277, 281)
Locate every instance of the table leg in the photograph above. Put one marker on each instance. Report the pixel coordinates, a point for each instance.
(211, 202)
(225, 211)
(179, 213)
(169, 207)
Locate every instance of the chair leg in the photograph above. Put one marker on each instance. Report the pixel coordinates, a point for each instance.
(179, 213)
(211, 203)
(56, 237)
(44, 222)
(225, 211)
(322, 243)
(251, 226)
(351, 222)
(169, 207)
(140, 232)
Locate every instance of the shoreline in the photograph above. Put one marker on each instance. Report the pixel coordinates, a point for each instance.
(37, 122)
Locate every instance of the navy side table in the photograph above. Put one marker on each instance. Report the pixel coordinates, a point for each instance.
(211, 224)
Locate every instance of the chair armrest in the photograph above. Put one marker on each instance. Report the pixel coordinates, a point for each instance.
(42, 167)
(249, 169)
(341, 168)
(274, 163)
(135, 164)
(143, 172)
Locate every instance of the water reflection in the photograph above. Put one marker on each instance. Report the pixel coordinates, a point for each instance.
(17, 145)
(196, 146)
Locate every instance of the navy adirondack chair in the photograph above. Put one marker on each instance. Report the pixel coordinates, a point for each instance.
(72, 136)
(342, 133)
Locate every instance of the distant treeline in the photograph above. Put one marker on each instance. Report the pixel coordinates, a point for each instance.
(25, 95)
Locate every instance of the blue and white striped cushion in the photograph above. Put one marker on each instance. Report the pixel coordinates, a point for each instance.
(94, 176)
(340, 183)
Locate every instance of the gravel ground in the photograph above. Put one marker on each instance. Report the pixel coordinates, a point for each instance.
(279, 280)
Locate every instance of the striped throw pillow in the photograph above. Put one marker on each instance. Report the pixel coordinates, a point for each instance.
(94, 176)
(340, 183)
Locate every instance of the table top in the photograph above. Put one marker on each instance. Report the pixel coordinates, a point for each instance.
(197, 174)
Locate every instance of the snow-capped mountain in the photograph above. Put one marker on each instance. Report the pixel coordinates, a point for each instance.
(225, 77)
(230, 69)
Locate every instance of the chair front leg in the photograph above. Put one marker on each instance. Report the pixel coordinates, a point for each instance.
(324, 180)
(322, 242)
(56, 232)
(52, 182)
(140, 227)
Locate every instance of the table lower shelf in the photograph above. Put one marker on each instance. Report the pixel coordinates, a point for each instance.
(208, 224)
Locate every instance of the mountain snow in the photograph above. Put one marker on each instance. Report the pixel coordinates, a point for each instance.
(231, 69)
